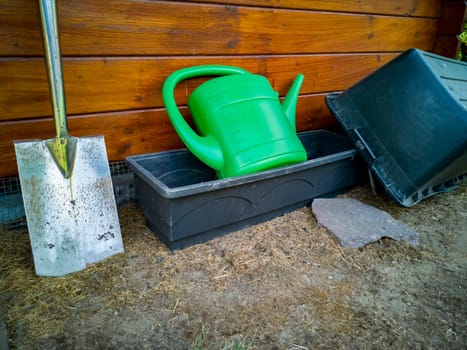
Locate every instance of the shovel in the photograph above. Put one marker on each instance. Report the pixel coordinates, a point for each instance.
(65, 181)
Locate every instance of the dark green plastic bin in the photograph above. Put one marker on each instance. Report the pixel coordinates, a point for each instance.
(408, 120)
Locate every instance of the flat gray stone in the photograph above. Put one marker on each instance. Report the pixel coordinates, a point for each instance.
(355, 224)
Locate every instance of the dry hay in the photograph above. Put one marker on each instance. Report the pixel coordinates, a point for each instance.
(284, 283)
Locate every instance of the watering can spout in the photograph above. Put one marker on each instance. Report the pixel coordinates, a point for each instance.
(289, 104)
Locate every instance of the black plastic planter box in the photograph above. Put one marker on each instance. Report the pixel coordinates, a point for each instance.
(408, 120)
(184, 203)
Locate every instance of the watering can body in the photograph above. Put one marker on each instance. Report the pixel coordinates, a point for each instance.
(242, 126)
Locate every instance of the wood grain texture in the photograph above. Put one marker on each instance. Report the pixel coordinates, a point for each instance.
(388, 7)
(135, 132)
(100, 84)
(118, 53)
(124, 27)
(450, 25)
(447, 46)
(452, 17)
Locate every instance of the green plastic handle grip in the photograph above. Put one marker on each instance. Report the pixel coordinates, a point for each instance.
(204, 147)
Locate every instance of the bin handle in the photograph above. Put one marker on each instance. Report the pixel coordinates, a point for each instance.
(362, 144)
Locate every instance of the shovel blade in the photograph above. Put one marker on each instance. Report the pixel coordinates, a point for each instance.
(72, 222)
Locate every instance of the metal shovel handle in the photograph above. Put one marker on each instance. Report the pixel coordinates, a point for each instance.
(63, 147)
(51, 42)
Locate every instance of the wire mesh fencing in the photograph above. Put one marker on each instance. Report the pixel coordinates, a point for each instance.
(12, 211)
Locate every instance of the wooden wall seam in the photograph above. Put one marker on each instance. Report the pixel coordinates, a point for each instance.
(97, 86)
(395, 8)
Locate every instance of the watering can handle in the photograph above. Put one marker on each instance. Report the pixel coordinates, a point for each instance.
(204, 147)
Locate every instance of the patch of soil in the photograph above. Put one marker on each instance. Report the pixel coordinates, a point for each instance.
(282, 284)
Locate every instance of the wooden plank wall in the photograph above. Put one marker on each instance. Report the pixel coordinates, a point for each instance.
(118, 53)
(450, 25)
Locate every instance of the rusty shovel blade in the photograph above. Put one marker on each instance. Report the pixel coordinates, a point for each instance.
(72, 221)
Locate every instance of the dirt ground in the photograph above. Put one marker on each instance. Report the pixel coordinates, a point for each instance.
(283, 284)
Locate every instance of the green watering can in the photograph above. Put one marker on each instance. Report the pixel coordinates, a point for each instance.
(243, 128)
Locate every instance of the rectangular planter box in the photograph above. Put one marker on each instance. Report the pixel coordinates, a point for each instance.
(185, 203)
